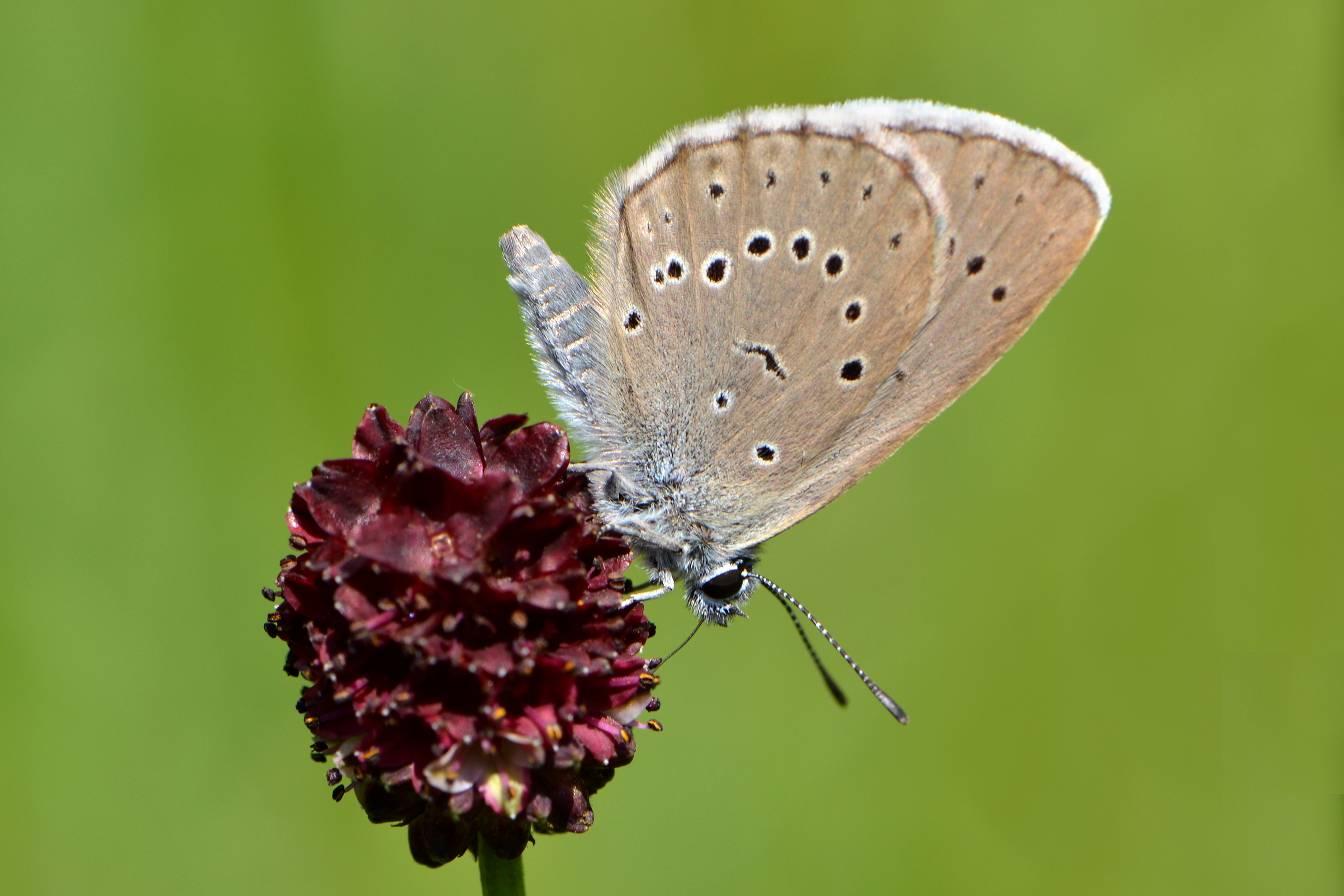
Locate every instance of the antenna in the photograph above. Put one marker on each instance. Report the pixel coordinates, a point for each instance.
(660, 662)
(831, 684)
(789, 602)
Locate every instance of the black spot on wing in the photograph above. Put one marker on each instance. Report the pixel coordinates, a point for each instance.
(716, 269)
(772, 364)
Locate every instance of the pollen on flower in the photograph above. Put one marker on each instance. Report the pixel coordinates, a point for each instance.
(455, 608)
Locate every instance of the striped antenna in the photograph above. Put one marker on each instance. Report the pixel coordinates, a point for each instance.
(831, 684)
(789, 602)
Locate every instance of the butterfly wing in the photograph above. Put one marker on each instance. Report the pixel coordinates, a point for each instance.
(566, 328)
(784, 296)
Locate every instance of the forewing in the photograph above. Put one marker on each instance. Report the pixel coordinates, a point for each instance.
(765, 383)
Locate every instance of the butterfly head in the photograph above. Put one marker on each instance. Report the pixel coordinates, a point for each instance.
(717, 595)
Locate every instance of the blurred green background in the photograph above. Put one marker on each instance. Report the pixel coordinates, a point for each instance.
(1106, 584)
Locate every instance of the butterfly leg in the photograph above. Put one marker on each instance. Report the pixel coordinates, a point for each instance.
(660, 584)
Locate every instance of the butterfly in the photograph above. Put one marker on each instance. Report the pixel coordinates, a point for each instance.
(781, 298)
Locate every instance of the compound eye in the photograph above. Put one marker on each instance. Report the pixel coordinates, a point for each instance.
(723, 586)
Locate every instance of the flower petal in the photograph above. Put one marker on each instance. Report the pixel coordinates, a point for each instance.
(535, 455)
(376, 432)
(493, 432)
(466, 411)
(399, 540)
(339, 495)
(598, 744)
(444, 439)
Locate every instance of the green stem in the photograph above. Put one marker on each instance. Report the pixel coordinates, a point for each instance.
(499, 877)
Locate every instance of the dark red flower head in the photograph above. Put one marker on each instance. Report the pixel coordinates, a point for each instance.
(456, 613)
